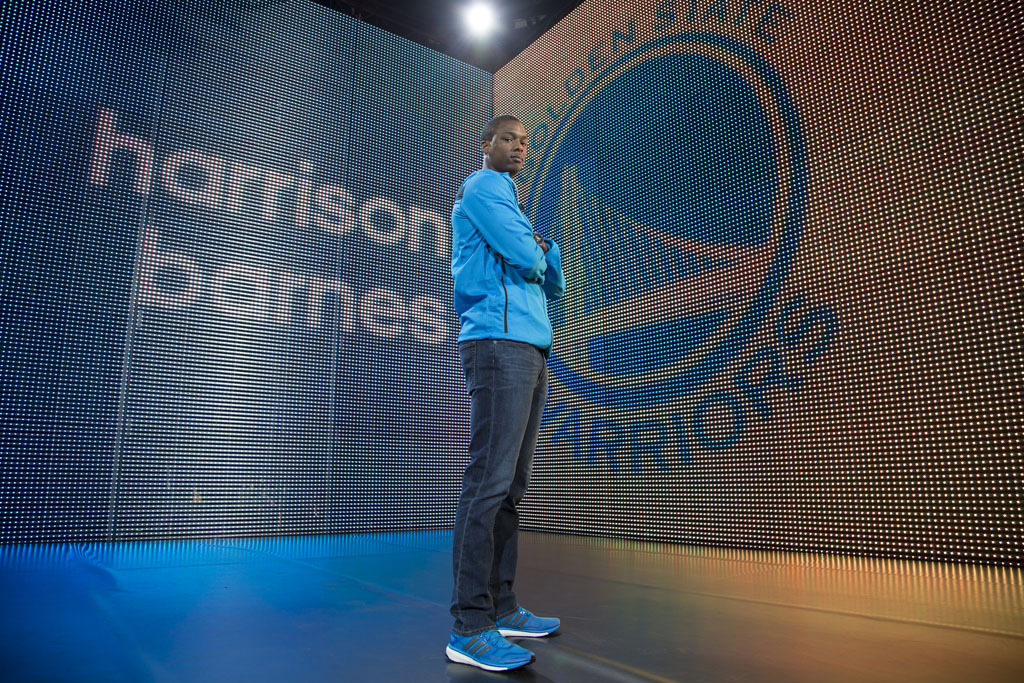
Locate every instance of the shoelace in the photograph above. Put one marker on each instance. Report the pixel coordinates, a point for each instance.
(498, 642)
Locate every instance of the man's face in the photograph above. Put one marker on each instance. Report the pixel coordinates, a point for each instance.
(506, 151)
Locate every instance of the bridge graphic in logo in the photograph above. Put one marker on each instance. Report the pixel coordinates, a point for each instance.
(675, 184)
(683, 279)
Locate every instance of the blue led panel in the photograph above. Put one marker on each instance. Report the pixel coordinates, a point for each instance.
(225, 290)
(404, 418)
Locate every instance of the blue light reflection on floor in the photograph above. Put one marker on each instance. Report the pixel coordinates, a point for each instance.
(375, 608)
(296, 608)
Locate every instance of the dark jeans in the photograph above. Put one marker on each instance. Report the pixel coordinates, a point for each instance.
(508, 386)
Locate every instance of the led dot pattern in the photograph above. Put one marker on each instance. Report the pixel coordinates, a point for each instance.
(791, 233)
(225, 287)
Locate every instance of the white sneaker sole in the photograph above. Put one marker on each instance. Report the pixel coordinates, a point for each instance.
(457, 656)
(524, 634)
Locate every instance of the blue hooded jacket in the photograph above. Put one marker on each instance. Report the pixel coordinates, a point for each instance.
(502, 277)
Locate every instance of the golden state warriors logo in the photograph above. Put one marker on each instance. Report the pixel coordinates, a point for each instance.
(675, 181)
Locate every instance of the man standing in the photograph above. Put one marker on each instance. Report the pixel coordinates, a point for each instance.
(504, 274)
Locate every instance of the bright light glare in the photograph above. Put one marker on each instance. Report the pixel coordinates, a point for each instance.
(479, 19)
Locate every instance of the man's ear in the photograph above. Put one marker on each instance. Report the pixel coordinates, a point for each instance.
(486, 146)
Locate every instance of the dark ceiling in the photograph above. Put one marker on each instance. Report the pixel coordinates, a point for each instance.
(438, 24)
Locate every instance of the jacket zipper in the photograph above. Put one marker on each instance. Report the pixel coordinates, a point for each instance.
(506, 292)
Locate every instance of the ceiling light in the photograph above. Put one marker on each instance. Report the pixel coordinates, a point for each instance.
(479, 19)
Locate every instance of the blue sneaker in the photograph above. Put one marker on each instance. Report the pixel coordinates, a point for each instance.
(487, 650)
(524, 624)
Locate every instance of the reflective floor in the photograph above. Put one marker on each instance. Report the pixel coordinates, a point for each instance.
(375, 608)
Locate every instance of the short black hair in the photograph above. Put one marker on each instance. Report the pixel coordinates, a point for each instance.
(493, 126)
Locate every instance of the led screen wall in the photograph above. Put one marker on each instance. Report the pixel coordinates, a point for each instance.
(226, 300)
(792, 238)
(791, 232)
